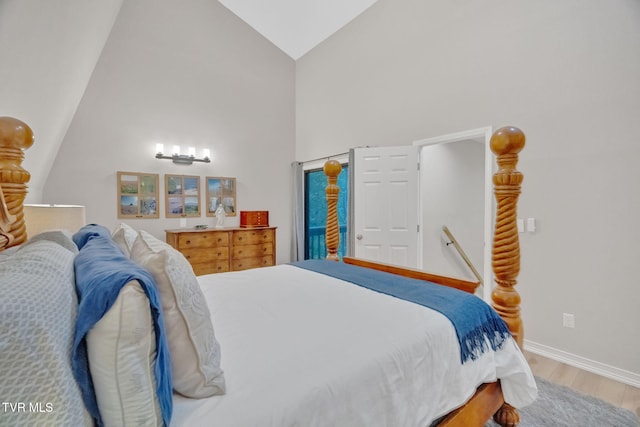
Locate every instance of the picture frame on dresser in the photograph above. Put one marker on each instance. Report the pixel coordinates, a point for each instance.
(182, 196)
(221, 189)
(137, 195)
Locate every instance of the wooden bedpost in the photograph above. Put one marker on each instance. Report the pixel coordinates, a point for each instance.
(332, 169)
(506, 143)
(15, 137)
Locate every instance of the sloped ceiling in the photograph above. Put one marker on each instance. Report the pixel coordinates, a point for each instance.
(297, 26)
(48, 51)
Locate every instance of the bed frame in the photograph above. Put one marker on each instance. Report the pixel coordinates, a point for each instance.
(506, 143)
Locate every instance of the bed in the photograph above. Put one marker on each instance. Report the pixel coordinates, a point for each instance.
(299, 344)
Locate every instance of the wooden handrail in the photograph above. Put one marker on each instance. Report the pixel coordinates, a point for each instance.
(461, 252)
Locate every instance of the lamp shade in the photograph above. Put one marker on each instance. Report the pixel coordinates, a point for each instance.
(39, 218)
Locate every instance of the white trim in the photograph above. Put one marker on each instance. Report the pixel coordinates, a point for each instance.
(598, 368)
(482, 135)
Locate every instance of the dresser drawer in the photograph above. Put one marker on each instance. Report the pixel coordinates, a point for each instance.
(203, 239)
(246, 263)
(197, 255)
(250, 251)
(220, 250)
(211, 267)
(252, 237)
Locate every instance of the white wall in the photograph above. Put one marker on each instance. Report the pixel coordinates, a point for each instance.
(452, 191)
(187, 74)
(567, 74)
(48, 50)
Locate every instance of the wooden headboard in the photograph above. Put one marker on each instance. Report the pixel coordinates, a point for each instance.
(15, 137)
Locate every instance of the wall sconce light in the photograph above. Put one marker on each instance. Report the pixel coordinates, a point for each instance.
(182, 159)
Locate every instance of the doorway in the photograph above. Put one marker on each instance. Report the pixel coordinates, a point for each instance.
(456, 183)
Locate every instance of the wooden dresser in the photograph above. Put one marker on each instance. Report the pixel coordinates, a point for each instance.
(216, 250)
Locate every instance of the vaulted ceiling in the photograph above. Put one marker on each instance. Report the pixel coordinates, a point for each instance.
(296, 26)
(48, 51)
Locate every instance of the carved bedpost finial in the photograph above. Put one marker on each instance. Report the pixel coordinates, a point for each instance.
(506, 143)
(332, 169)
(15, 137)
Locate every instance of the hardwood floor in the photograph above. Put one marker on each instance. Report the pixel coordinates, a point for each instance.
(616, 393)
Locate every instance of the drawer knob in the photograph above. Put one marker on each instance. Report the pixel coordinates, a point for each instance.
(188, 242)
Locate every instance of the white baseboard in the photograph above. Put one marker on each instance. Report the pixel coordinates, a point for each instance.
(598, 368)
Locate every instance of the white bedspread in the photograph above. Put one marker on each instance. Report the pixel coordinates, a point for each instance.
(303, 349)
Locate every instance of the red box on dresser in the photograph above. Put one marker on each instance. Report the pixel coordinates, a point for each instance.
(250, 219)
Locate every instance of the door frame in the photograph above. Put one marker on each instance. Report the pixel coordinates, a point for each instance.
(482, 135)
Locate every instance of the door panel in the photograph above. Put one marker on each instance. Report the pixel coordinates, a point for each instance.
(385, 201)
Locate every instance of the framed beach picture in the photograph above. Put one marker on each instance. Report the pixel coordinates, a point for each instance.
(221, 190)
(182, 196)
(137, 195)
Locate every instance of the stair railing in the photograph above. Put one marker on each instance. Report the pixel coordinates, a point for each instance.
(462, 254)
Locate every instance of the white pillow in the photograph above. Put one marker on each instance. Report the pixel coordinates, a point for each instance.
(121, 348)
(124, 236)
(194, 349)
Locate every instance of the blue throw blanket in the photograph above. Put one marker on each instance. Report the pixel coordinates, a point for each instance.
(475, 322)
(101, 271)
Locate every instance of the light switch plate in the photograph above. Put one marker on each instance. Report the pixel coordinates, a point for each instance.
(531, 225)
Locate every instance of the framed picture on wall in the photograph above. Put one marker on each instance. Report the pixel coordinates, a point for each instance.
(182, 196)
(137, 195)
(221, 190)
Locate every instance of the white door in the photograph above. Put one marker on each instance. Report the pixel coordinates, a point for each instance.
(385, 204)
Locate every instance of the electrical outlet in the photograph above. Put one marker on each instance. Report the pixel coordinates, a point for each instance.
(183, 222)
(568, 320)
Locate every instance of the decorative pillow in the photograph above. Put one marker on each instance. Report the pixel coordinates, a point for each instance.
(195, 351)
(102, 272)
(121, 348)
(37, 317)
(4, 254)
(124, 236)
(62, 237)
